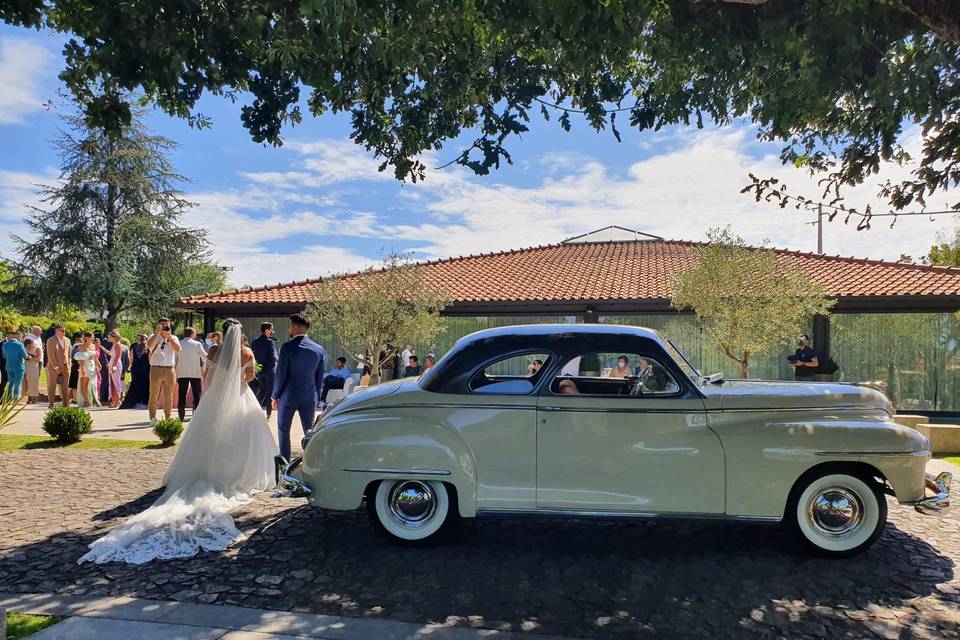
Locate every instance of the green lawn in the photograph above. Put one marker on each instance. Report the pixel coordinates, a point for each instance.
(953, 459)
(14, 442)
(21, 625)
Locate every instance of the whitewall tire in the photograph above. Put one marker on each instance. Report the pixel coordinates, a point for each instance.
(410, 511)
(838, 514)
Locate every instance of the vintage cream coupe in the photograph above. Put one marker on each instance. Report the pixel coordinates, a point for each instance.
(612, 421)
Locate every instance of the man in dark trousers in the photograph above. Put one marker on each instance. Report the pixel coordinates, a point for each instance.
(265, 353)
(298, 382)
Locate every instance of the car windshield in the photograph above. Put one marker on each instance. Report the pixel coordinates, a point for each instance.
(682, 361)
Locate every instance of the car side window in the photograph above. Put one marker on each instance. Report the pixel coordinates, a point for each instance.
(614, 374)
(513, 375)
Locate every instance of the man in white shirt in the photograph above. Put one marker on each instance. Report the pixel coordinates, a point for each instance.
(163, 347)
(191, 362)
(405, 357)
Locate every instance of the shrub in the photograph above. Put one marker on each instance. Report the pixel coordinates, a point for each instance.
(168, 430)
(67, 424)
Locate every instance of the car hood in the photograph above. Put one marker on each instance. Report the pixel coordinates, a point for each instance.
(776, 394)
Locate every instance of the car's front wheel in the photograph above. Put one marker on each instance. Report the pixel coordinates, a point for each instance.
(836, 513)
(411, 511)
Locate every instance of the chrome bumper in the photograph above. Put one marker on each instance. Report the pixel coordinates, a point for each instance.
(940, 501)
(288, 486)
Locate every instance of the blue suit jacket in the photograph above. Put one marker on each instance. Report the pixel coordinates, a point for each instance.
(265, 353)
(299, 372)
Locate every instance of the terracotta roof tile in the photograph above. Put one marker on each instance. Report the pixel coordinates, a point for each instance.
(634, 270)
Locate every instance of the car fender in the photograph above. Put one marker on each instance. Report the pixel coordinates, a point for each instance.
(767, 451)
(353, 449)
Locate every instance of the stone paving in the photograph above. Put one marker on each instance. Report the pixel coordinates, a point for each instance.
(613, 579)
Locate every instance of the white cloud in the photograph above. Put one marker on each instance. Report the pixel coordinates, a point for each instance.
(241, 222)
(678, 194)
(23, 64)
(18, 191)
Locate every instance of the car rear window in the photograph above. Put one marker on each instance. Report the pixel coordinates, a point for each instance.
(513, 375)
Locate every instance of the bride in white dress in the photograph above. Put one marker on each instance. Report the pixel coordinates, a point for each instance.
(226, 454)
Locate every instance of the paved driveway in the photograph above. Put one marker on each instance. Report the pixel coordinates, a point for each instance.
(595, 579)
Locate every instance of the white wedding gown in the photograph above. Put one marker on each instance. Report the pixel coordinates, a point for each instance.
(226, 454)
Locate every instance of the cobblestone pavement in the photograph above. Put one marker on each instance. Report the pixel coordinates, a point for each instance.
(615, 579)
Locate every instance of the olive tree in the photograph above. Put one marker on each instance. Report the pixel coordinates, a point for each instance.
(373, 313)
(746, 299)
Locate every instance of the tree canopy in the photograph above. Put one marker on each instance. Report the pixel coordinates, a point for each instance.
(834, 80)
(108, 238)
(747, 300)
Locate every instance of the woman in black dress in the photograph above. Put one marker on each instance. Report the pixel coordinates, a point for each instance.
(138, 394)
(74, 366)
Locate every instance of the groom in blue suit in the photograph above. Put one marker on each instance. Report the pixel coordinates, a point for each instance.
(298, 382)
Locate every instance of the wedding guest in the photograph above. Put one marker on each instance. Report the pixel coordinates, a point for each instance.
(103, 378)
(408, 351)
(364, 377)
(138, 395)
(265, 351)
(74, 381)
(88, 355)
(31, 376)
(413, 369)
(125, 356)
(336, 379)
(164, 347)
(191, 363)
(214, 338)
(622, 370)
(15, 357)
(213, 344)
(59, 366)
(429, 362)
(115, 369)
(3, 368)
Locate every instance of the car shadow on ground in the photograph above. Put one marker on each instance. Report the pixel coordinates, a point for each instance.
(598, 578)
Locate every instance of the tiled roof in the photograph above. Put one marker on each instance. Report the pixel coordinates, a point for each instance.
(614, 271)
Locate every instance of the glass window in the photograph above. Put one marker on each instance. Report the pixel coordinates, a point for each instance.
(614, 374)
(682, 361)
(515, 375)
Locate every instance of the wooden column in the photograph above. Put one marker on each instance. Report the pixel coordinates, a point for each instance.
(821, 337)
(209, 321)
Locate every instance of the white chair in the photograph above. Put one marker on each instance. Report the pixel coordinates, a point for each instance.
(335, 394)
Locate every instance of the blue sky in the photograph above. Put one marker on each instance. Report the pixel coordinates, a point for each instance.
(318, 205)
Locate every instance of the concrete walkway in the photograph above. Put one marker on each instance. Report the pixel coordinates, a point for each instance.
(141, 619)
(117, 424)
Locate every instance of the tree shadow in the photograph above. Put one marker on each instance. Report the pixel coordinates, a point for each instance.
(589, 578)
(56, 444)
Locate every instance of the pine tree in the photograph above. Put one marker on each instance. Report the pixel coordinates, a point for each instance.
(107, 238)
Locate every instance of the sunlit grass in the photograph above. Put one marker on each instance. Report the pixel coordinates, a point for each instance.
(21, 625)
(15, 442)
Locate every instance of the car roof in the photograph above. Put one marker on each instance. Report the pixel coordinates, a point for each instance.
(562, 328)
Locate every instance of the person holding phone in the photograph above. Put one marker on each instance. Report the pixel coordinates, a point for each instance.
(163, 347)
(804, 360)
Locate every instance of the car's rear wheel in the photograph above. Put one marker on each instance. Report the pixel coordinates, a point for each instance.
(836, 513)
(410, 511)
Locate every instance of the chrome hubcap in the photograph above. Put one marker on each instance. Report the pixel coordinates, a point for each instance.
(835, 512)
(412, 503)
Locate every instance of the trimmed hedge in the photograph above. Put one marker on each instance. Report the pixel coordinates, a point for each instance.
(67, 424)
(168, 431)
